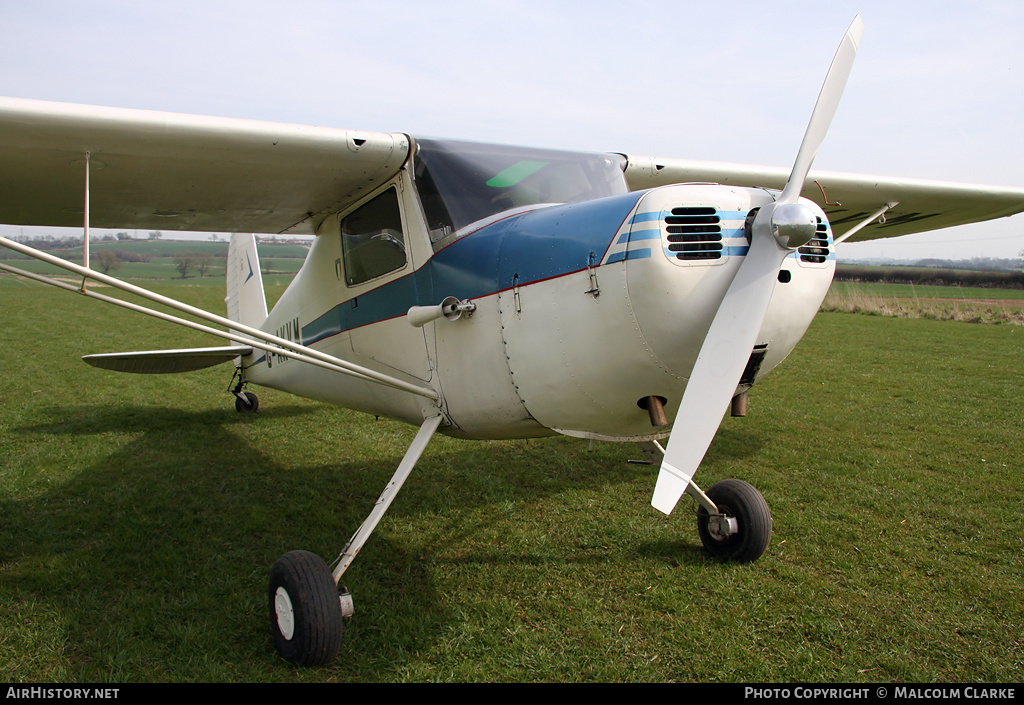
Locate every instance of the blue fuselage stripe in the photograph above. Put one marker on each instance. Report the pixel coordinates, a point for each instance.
(518, 251)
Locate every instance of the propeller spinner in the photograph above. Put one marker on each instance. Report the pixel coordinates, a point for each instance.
(777, 230)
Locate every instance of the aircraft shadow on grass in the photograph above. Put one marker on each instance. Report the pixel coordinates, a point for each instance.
(157, 534)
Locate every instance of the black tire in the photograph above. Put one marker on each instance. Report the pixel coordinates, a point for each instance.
(314, 635)
(247, 408)
(736, 498)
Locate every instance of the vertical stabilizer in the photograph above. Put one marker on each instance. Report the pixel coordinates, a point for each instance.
(245, 299)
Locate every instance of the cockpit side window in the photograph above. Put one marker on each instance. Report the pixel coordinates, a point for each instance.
(372, 240)
(439, 221)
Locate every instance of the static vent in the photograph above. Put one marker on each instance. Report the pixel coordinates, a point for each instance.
(816, 251)
(694, 233)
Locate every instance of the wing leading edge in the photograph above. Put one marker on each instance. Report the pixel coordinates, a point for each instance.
(853, 198)
(171, 171)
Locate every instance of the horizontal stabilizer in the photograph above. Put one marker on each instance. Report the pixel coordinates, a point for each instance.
(158, 362)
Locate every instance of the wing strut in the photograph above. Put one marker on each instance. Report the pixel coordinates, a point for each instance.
(278, 345)
(85, 235)
(179, 321)
(880, 213)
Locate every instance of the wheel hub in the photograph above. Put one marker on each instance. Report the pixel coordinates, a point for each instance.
(722, 527)
(285, 614)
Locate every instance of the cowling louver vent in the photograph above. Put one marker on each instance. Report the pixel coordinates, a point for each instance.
(816, 251)
(694, 233)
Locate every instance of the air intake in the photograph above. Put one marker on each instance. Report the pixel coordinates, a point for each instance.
(694, 233)
(816, 251)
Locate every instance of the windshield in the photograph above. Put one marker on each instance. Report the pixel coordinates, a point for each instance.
(462, 182)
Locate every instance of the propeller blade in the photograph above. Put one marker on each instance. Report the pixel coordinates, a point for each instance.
(719, 367)
(777, 229)
(824, 110)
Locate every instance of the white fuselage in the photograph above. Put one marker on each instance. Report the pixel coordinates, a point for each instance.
(582, 311)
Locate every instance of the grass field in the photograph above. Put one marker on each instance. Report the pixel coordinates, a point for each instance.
(139, 517)
(926, 292)
(939, 303)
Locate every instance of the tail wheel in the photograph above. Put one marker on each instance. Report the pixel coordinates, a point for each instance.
(249, 406)
(305, 612)
(742, 502)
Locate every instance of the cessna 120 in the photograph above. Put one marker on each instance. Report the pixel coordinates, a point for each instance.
(480, 291)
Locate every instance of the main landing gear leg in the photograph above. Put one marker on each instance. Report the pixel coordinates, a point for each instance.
(245, 402)
(734, 521)
(306, 610)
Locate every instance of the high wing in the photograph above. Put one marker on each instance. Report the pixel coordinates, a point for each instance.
(914, 205)
(172, 171)
(182, 172)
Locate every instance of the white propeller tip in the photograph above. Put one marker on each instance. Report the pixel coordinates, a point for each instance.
(670, 487)
(856, 30)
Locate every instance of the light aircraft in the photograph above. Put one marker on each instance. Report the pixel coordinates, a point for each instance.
(480, 291)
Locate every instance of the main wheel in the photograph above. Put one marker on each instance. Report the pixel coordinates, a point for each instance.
(305, 612)
(740, 500)
(243, 407)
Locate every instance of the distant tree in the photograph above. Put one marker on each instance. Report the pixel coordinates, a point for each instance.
(203, 260)
(184, 261)
(124, 236)
(130, 256)
(155, 234)
(268, 264)
(106, 261)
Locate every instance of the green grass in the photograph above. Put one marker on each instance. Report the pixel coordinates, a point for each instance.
(139, 517)
(941, 303)
(926, 291)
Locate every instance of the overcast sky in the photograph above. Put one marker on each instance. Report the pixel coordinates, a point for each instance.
(937, 91)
